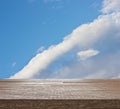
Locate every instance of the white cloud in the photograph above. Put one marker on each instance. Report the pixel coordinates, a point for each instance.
(86, 35)
(42, 48)
(83, 55)
(111, 6)
(106, 67)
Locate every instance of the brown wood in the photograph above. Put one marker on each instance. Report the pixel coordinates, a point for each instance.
(60, 94)
(59, 104)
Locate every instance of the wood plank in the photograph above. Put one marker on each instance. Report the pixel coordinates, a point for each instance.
(59, 104)
(60, 94)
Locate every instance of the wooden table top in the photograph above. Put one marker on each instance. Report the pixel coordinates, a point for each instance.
(60, 89)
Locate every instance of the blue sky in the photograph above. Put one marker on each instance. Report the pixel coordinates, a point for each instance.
(32, 26)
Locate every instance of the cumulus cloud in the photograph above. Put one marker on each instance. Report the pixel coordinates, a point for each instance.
(42, 48)
(83, 55)
(85, 35)
(111, 6)
(106, 67)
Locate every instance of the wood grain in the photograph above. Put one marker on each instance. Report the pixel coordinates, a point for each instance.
(60, 94)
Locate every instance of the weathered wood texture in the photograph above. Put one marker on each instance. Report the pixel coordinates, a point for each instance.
(59, 94)
(59, 104)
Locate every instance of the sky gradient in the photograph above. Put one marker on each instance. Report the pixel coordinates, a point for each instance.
(59, 38)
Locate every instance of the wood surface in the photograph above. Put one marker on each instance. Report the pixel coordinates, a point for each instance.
(60, 94)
